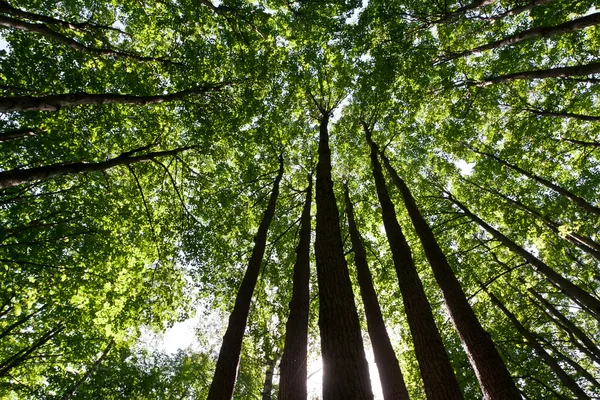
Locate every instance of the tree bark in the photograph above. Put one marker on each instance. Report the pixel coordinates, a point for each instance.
(268, 385)
(537, 32)
(570, 326)
(436, 371)
(345, 368)
(293, 367)
(569, 195)
(56, 101)
(520, 9)
(223, 382)
(71, 392)
(392, 381)
(582, 143)
(491, 372)
(13, 134)
(452, 16)
(16, 177)
(564, 284)
(559, 72)
(548, 359)
(566, 115)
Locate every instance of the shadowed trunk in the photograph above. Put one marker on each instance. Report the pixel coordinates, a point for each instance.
(293, 367)
(345, 368)
(13, 134)
(436, 371)
(564, 284)
(224, 377)
(392, 381)
(20, 322)
(559, 72)
(543, 354)
(491, 372)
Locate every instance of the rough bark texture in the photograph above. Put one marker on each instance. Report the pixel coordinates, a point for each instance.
(13, 134)
(18, 176)
(537, 32)
(345, 368)
(569, 195)
(392, 381)
(548, 359)
(491, 372)
(560, 72)
(56, 101)
(293, 367)
(564, 284)
(224, 377)
(436, 371)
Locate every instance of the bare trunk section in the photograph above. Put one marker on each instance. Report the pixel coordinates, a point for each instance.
(548, 359)
(345, 368)
(537, 32)
(268, 385)
(564, 284)
(13, 134)
(436, 370)
(392, 381)
(19, 176)
(56, 101)
(293, 367)
(491, 372)
(223, 382)
(559, 72)
(569, 195)
(71, 392)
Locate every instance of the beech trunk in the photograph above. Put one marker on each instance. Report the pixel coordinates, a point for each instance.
(392, 381)
(223, 382)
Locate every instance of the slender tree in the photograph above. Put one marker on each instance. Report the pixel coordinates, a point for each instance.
(392, 381)
(268, 385)
(223, 381)
(436, 371)
(562, 114)
(558, 72)
(13, 134)
(293, 366)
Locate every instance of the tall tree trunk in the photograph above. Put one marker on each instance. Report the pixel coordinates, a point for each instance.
(548, 359)
(71, 392)
(564, 284)
(13, 134)
(22, 355)
(293, 367)
(345, 368)
(268, 385)
(491, 372)
(558, 72)
(436, 371)
(537, 32)
(566, 115)
(585, 244)
(570, 326)
(223, 381)
(569, 195)
(55, 102)
(392, 381)
(16, 177)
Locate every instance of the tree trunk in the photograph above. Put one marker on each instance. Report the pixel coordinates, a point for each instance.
(559, 72)
(56, 101)
(570, 326)
(13, 134)
(452, 16)
(566, 115)
(564, 284)
(491, 372)
(18, 176)
(71, 392)
(436, 371)
(345, 368)
(537, 32)
(520, 9)
(548, 359)
(569, 195)
(582, 143)
(293, 367)
(268, 385)
(224, 377)
(392, 381)
(20, 322)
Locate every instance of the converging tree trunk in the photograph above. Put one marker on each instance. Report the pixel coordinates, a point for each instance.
(223, 382)
(548, 359)
(559, 72)
(436, 371)
(561, 114)
(491, 372)
(345, 368)
(268, 385)
(564, 284)
(16, 177)
(392, 381)
(293, 367)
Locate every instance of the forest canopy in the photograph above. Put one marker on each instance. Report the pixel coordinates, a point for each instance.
(308, 181)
